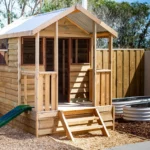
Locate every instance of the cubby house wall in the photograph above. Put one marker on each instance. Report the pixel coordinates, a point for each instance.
(9, 89)
(66, 28)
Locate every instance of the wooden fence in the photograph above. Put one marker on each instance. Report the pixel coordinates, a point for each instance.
(127, 71)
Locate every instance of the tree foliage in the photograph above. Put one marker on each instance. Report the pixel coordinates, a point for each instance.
(50, 5)
(132, 21)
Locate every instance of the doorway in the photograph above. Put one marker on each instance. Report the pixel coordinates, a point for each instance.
(63, 68)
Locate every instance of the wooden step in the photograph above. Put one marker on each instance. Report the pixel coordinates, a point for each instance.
(85, 128)
(80, 120)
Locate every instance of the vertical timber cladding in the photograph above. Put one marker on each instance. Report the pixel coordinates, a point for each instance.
(9, 89)
(127, 71)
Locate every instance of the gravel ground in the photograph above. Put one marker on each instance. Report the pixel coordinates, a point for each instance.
(15, 139)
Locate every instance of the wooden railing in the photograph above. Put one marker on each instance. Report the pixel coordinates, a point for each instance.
(47, 98)
(103, 86)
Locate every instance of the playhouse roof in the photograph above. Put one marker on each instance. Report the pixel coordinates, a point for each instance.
(31, 25)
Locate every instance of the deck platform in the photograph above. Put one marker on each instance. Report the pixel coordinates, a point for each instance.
(73, 106)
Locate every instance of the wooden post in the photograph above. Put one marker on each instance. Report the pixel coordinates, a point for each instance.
(76, 51)
(94, 65)
(41, 93)
(91, 54)
(69, 63)
(19, 70)
(44, 52)
(37, 49)
(56, 64)
(63, 68)
(47, 92)
(110, 67)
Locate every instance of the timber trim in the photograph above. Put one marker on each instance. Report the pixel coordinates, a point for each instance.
(19, 71)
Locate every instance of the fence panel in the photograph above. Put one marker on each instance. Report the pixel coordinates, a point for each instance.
(127, 71)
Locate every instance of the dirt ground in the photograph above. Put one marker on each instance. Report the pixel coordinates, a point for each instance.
(15, 139)
(141, 129)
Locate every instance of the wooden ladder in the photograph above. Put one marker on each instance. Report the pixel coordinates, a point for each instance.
(82, 120)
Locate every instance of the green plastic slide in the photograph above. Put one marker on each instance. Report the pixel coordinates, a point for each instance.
(13, 114)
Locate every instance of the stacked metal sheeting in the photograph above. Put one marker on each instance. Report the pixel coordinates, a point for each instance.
(119, 103)
(137, 112)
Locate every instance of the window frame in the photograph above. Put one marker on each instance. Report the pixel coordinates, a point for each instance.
(4, 50)
(22, 52)
(88, 51)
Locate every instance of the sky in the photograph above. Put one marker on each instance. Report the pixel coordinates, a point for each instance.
(141, 1)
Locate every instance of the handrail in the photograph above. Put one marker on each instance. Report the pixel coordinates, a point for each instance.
(32, 73)
(103, 70)
(47, 87)
(48, 72)
(29, 73)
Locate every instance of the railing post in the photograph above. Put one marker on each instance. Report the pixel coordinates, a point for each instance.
(40, 102)
(54, 105)
(47, 92)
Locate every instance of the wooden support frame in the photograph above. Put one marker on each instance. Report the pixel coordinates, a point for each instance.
(91, 53)
(76, 51)
(19, 70)
(63, 76)
(44, 52)
(47, 92)
(55, 104)
(105, 131)
(37, 50)
(69, 63)
(94, 65)
(110, 66)
(65, 125)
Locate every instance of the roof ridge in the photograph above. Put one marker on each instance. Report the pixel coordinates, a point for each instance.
(54, 11)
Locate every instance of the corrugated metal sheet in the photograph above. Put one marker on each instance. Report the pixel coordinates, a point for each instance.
(24, 25)
(85, 22)
(30, 23)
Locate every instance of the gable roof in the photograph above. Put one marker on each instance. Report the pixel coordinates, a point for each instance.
(31, 25)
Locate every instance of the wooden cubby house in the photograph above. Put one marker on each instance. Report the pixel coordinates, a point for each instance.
(50, 64)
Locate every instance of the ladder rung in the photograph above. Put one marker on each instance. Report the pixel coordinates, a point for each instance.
(78, 120)
(85, 128)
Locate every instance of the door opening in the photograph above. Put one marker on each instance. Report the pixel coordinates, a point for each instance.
(63, 70)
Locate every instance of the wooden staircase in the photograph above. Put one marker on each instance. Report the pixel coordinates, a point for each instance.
(82, 120)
